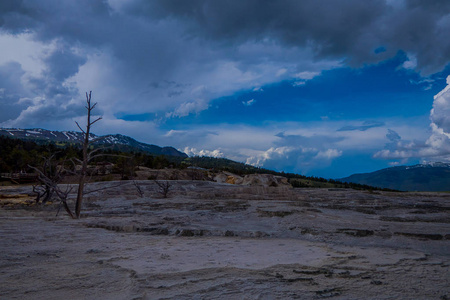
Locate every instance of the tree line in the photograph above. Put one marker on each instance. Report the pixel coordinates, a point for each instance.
(17, 155)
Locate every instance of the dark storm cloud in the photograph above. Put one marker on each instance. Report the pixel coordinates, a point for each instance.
(10, 76)
(46, 99)
(353, 29)
(79, 20)
(139, 51)
(15, 16)
(33, 99)
(11, 90)
(350, 29)
(60, 64)
(50, 95)
(63, 63)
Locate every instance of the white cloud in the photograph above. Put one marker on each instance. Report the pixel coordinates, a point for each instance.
(298, 83)
(425, 83)
(203, 152)
(303, 77)
(329, 154)
(411, 63)
(27, 52)
(437, 146)
(186, 108)
(298, 158)
(303, 147)
(272, 153)
(306, 75)
(440, 114)
(249, 102)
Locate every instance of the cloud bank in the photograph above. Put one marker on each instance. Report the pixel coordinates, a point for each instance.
(436, 147)
(173, 57)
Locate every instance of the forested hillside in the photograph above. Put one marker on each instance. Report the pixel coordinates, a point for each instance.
(17, 155)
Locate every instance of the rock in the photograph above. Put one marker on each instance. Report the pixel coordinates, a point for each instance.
(265, 180)
(252, 179)
(226, 177)
(234, 179)
(220, 178)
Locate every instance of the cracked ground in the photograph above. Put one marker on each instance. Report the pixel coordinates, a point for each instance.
(222, 241)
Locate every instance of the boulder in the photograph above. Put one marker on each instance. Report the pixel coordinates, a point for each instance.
(227, 177)
(220, 178)
(234, 179)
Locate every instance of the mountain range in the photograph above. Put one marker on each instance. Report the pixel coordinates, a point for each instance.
(422, 177)
(115, 141)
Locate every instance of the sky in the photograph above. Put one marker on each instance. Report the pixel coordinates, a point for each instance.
(317, 87)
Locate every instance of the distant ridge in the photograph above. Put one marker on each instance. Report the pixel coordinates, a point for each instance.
(433, 177)
(116, 141)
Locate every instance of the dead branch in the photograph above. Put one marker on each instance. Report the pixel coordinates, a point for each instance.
(104, 188)
(50, 185)
(138, 188)
(82, 130)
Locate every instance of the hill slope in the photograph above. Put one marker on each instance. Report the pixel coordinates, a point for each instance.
(428, 177)
(115, 141)
(17, 154)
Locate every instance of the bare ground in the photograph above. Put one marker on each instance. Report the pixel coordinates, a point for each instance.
(221, 241)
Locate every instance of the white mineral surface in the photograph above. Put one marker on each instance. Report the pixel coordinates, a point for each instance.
(221, 241)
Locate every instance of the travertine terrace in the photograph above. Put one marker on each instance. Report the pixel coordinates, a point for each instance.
(211, 240)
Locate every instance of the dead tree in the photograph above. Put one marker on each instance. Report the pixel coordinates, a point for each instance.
(47, 172)
(88, 154)
(164, 187)
(50, 174)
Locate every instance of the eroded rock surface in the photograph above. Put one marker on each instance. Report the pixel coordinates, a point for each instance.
(222, 241)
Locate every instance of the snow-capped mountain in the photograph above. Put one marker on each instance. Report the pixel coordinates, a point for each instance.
(434, 176)
(72, 137)
(430, 165)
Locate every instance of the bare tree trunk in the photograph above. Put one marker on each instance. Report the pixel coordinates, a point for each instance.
(84, 165)
(80, 196)
(86, 154)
